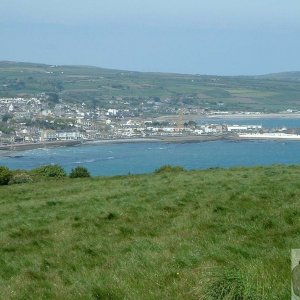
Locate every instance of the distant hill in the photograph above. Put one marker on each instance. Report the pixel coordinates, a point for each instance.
(103, 87)
(284, 75)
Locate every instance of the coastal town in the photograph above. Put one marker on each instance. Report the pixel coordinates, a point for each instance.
(34, 120)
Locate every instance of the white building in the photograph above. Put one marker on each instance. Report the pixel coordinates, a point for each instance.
(239, 128)
(112, 112)
(68, 135)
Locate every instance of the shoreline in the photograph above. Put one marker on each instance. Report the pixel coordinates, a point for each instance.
(29, 146)
(256, 116)
(7, 150)
(232, 116)
(14, 148)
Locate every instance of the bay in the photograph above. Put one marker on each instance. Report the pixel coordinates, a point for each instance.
(135, 158)
(270, 123)
(141, 157)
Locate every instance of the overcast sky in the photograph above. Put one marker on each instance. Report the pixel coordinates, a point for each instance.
(224, 37)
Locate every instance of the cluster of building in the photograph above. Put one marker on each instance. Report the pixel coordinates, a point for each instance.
(34, 120)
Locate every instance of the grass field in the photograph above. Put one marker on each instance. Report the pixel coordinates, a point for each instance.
(98, 87)
(213, 234)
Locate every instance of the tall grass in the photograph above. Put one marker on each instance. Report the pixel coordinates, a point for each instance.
(215, 234)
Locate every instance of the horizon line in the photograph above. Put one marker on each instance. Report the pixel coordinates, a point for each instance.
(138, 71)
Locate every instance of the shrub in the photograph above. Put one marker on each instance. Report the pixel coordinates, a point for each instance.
(80, 172)
(50, 171)
(5, 175)
(169, 169)
(20, 178)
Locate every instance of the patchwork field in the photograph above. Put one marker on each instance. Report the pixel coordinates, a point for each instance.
(100, 87)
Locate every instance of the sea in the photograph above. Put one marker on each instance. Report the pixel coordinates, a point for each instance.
(108, 159)
(270, 123)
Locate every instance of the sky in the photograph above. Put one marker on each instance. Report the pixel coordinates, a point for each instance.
(220, 37)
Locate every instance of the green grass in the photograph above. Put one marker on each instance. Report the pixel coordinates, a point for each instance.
(214, 234)
(97, 86)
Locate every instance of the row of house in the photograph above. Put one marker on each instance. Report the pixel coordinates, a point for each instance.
(52, 135)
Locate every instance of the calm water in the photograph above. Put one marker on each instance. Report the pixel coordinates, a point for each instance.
(119, 159)
(114, 159)
(271, 123)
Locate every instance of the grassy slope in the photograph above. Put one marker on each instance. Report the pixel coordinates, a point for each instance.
(96, 86)
(186, 235)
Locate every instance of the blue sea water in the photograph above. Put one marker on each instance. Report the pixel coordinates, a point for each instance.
(270, 123)
(121, 159)
(135, 158)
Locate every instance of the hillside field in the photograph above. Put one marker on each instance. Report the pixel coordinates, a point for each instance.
(102, 87)
(212, 234)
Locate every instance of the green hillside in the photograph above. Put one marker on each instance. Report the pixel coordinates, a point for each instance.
(214, 234)
(101, 87)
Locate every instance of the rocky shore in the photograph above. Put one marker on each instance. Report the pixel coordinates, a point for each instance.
(4, 149)
(29, 146)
